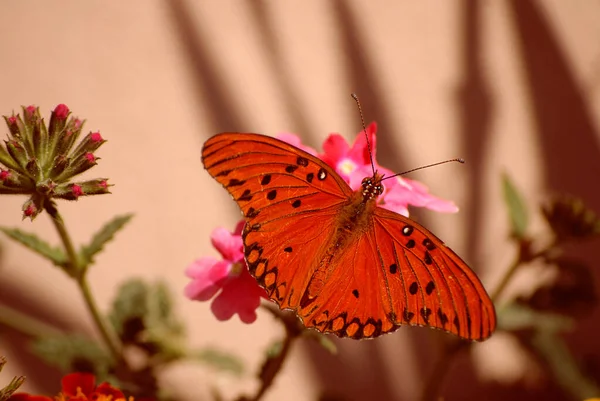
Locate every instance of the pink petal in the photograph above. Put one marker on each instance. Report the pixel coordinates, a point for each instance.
(242, 296)
(239, 227)
(360, 150)
(335, 148)
(208, 277)
(294, 140)
(408, 192)
(228, 245)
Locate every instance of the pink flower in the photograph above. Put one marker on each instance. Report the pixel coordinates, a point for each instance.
(237, 290)
(353, 163)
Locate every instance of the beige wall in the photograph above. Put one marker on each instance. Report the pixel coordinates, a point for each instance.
(510, 86)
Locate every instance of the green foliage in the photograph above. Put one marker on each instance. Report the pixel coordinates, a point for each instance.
(517, 211)
(11, 387)
(219, 360)
(514, 317)
(142, 314)
(36, 244)
(73, 352)
(106, 233)
(321, 339)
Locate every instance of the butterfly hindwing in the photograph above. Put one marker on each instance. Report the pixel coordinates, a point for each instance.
(427, 283)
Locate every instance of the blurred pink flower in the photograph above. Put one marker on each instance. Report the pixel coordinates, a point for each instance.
(237, 290)
(353, 163)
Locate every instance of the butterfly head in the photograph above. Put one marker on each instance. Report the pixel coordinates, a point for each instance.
(372, 187)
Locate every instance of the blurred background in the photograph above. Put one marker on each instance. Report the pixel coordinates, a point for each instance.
(511, 86)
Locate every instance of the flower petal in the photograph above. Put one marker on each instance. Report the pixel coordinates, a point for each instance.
(208, 277)
(360, 149)
(335, 148)
(85, 382)
(240, 296)
(229, 245)
(107, 390)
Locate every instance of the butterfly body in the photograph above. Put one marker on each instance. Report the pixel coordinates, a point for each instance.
(345, 265)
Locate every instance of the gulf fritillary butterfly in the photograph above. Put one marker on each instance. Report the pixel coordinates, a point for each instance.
(345, 265)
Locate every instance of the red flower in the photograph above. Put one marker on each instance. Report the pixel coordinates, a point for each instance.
(77, 387)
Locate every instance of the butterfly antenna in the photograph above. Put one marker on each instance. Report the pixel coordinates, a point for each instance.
(460, 160)
(362, 120)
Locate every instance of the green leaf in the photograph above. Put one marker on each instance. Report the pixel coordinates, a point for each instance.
(323, 340)
(13, 386)
(130, 303)
(73, 352)
(517, 211)
(105, 234)
(218, 360)
(517, 317)
(142, 315)
(38, 245)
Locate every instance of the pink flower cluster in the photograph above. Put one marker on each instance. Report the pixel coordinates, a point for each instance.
(237, 291)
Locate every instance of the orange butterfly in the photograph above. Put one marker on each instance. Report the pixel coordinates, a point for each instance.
(344, 264)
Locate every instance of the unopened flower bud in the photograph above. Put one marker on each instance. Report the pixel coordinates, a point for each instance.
(18, 153)
(69, 191)
(30, 209)
(13, 124)
(61, 162)
(95, 187)
(58, 120)
(90, 143)
(33, 168)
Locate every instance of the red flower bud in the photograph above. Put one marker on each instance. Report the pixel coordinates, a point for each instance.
(30, 210)
(76, 190)
(61, 112)
(96, 137)
(90, 156)
(30, 111)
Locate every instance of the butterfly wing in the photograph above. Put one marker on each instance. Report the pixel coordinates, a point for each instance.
(426, 282)
(290, 200)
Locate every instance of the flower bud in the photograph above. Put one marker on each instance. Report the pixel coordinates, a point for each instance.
(17, 152)
(13, 124)
(58, 120)
(90, 143)
(33, 168)
(30, 209)
(69, 191)
(570, 218)
(95, 187)
(61, 162)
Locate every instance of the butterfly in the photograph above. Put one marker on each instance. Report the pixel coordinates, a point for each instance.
(344, 264)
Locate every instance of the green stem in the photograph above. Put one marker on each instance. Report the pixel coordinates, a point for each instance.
(107, 335)
(25, 324)
(274, 366)
(77, 271)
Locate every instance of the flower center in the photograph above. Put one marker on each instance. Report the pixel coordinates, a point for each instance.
(236, 269)
(346, 166)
